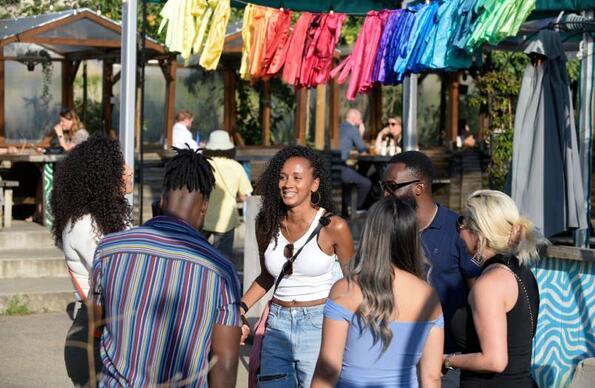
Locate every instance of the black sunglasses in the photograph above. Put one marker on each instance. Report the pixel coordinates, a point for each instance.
(460, 225)
(391, 187)
(393, 124)
(288, 266)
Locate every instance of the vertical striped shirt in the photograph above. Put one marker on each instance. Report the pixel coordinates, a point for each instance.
(162, 287)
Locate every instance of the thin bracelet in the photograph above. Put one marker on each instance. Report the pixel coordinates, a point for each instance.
(244, 306)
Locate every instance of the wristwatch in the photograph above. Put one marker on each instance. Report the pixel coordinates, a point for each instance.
(447, 362)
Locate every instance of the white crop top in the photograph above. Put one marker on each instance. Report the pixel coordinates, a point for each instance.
(312, 275)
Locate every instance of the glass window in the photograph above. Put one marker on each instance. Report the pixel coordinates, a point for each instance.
(32, 100)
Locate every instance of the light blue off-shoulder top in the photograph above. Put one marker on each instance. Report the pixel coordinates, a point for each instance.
(364, 363)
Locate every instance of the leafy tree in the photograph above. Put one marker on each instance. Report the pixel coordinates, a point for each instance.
(498, 84)
(108, 8)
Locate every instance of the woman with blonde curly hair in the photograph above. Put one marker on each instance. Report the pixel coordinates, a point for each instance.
(497, 327)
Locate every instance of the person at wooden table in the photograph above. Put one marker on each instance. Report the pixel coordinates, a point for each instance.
(388, 140)
(68, 132)
(351, 132)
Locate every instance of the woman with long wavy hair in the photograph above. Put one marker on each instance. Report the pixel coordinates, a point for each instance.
(296, 194)
(88, 201)
(382, 320)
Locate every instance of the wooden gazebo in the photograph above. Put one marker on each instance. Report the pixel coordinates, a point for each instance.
(74, 36)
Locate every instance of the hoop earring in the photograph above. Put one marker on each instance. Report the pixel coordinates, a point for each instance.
(317, 202)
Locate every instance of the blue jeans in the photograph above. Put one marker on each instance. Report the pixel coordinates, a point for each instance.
(290, 347)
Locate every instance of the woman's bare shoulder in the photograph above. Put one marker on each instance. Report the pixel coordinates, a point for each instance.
(418, 295)
(346, 293)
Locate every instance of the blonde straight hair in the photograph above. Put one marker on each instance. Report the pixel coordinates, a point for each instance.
(495, 218)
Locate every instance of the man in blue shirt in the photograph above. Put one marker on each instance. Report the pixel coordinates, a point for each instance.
(350, 136)
(450, 270)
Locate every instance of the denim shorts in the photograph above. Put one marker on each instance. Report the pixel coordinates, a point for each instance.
(290, 347)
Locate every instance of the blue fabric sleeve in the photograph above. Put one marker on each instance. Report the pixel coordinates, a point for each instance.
(439, 322)
(336, 312)
(357, 140)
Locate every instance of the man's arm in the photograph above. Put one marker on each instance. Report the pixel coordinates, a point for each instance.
(225, 351)
(358, 141)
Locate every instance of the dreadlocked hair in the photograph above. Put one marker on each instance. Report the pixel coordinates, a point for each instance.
(189, 169)
(273, 209)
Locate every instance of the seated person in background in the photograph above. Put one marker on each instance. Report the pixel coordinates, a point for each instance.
(231, 186)
(382, 322)
(350, 136)
(465, 138)
(181, 132)
(389, 139)
(67, 133)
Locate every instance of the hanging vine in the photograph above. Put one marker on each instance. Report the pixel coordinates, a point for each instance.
(47, 69)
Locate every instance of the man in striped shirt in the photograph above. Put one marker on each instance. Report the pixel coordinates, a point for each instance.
(168, 301)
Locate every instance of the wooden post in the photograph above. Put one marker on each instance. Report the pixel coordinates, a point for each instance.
(2, 134)
(85, 93)
(301, 109)
(137, 120)
(375, 110)
(229, 101)
(484, 123)
(265, 112)
(319, 139)
(170, 99)
(453, 93)
(443, 108)
(108, 83)
(335, 114)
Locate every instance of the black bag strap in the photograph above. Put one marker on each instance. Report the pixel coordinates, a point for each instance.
(324, 220)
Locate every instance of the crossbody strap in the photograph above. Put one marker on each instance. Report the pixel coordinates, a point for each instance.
(525, 293)
(322, 222)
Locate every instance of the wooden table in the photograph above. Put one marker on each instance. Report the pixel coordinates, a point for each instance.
(46, 165)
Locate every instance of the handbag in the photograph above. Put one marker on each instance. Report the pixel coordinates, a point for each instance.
(260, 327)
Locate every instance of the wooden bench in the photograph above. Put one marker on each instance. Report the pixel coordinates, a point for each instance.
(6, 188)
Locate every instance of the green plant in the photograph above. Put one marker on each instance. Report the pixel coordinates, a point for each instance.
(498, 85)
(247, 115)
(17, 305)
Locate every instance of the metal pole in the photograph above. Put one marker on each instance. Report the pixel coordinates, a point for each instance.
(128, 84)
(143, 61)
(586, 110)
(409, 107)
(410, 113)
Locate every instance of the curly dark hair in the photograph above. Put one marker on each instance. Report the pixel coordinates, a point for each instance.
(89, 181)
(273, 209)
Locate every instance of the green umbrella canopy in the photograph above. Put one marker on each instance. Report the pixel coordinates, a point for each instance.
(543, 8)
(551, 8)
(358, 7)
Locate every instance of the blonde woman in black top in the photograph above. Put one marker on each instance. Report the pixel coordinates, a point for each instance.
(497, 327)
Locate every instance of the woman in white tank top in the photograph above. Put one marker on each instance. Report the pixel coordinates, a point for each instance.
(88, 202)
(296, 191)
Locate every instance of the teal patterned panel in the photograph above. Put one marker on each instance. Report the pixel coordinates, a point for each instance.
(48, 183)
(565, 329)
